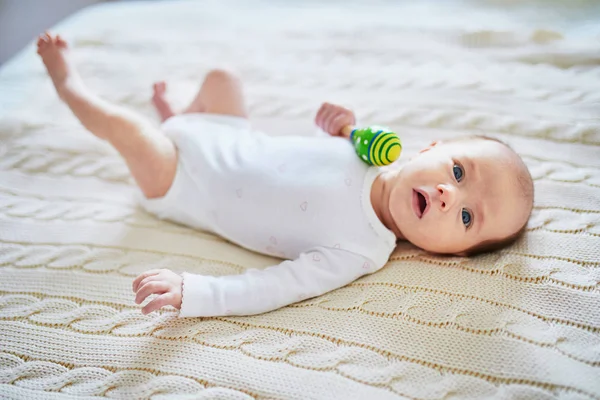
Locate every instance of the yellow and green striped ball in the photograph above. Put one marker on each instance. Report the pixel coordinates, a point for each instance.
(376, 145)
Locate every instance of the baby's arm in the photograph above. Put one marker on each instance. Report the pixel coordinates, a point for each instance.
(257, 291)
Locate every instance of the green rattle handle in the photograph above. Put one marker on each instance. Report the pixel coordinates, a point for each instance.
(374, 145)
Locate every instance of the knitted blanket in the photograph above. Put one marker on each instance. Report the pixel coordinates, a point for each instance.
(523, 322)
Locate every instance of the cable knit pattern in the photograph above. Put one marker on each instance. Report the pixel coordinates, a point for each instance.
(523, 322)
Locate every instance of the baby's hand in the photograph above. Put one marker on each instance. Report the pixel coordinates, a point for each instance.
(332, 118)
(163, 282)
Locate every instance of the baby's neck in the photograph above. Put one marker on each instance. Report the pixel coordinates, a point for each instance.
(380, 201)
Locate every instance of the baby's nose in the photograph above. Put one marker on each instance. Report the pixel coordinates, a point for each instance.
(447, 196)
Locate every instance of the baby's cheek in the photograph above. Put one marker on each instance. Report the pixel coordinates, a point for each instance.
(398, 208)
(441, 235)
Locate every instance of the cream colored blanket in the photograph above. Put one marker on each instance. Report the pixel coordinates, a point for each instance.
(519, 323)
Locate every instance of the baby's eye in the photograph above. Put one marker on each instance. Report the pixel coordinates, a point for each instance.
(458, 172)
(466, 217)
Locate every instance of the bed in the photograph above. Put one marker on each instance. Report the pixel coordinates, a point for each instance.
(523, 322)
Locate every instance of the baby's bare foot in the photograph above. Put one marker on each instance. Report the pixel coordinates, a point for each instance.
(158, 93)
(160, 102)
(54, 53)
(159, 88)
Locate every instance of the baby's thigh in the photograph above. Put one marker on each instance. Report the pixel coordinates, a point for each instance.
(150, 156)
(221, 93)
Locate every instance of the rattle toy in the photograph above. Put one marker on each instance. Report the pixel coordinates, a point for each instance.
(375, 145)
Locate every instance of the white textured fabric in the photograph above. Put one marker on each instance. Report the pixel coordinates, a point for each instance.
(302, 198)
(523, 322)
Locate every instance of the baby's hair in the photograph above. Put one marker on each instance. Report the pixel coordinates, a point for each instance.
(525, 182)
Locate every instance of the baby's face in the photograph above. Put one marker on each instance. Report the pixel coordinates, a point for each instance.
(454, 195)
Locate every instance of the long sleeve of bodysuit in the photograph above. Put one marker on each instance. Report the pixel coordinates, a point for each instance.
(257, 291)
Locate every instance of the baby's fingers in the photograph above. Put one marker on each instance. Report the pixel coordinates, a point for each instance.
(155, 287)
(321, 113)
(339, 122)
(157, 303)
(142, 276)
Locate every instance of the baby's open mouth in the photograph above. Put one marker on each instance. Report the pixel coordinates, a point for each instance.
(420, 203)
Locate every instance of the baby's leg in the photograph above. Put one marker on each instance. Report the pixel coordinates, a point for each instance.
(150, 155)
(220, 93)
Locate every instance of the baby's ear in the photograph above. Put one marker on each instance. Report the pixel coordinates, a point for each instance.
(431, 146)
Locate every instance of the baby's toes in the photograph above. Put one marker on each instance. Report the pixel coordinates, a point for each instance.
(42, 44)
(160, 88)
(61, 42)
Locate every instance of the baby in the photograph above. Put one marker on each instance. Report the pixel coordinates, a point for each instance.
(308, 200)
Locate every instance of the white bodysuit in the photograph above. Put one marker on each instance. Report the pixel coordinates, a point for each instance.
(305, 199)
